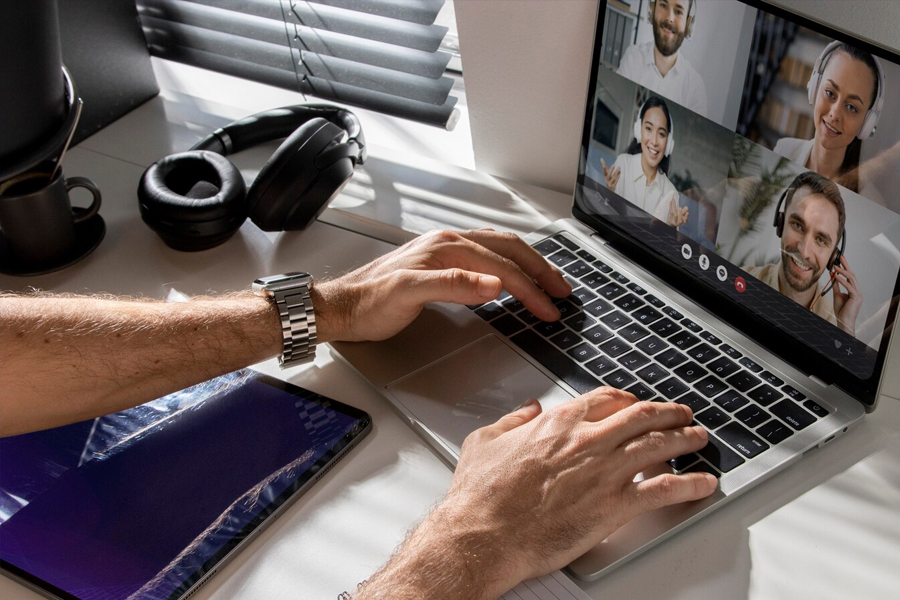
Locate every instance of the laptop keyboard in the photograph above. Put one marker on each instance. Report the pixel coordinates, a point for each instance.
(614, 332)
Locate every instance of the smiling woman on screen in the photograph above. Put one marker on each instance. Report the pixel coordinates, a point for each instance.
(846, 92)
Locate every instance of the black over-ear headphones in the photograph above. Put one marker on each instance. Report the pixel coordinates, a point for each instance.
(838, 251)
(196, 200)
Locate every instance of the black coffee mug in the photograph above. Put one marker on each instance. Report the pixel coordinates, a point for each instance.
(37, 219)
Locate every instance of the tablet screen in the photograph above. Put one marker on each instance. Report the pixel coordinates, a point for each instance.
(146, 502)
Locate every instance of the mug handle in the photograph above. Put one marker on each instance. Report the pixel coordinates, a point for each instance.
(90, 211)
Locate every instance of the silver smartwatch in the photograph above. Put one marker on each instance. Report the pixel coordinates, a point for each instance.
(290, 292)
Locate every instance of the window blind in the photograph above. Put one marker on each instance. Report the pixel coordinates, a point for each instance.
(383, 55)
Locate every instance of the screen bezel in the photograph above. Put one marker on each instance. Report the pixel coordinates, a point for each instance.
(297, 488)
(784, 344)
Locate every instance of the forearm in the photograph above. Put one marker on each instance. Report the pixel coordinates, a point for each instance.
(68, 359)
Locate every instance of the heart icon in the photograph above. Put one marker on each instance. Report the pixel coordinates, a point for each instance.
(837, 344)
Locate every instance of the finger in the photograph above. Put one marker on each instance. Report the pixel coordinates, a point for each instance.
(604, 401)
(655, 447)
(605, 168)
(449, 285)
(643, 417)
(527, 412)
(529, 260)
(667, 489)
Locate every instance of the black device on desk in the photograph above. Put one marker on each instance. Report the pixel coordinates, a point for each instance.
(150, 502)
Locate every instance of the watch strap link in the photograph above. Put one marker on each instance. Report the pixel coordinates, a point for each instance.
(298, 326)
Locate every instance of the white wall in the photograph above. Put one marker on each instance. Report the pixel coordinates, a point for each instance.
(526, 64)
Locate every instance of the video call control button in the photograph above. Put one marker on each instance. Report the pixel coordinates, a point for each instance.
(740, 284)
(721, 273)
(687, 252)
(704, 262)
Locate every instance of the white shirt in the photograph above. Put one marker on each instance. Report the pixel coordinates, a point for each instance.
(682, 84)
(632, 186)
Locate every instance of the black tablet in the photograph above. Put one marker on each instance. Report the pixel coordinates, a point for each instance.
(152, 501)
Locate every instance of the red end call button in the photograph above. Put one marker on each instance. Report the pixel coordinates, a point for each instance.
(740, 285)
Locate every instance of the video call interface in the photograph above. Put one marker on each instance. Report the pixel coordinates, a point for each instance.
(755, 153)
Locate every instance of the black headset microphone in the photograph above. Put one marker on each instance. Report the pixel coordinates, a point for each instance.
(836, 254)
(196, 200)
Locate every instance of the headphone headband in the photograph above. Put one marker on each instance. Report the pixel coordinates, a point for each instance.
(279, 123)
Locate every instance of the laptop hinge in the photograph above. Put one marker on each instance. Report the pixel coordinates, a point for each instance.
(817, 380)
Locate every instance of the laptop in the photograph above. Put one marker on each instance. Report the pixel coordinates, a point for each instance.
(717, 257)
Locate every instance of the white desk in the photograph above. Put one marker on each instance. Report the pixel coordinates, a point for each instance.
(773, 543)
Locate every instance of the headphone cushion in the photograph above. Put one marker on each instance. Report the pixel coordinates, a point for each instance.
(291, 177)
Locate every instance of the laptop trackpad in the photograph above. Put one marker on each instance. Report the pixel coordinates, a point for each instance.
(471, 388)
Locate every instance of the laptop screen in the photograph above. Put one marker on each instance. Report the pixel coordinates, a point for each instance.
(749, 156)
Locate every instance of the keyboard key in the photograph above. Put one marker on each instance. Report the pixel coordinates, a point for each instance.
(567, 307)
(555, 361)
(615, 319)
(616, 276)
(775, 432)
(743, 381)
(489, 311)
(664, 327)
(646, 315)
(566, 339)
(673, 313)
(572, 281)
(508, 325)
(793, 415)
(633, 361)
(683, 462)
(601, 365)
(752, 416)
(584, 295)
(652, 345)
(772, 378)
(597, 335)
(562, 258)
(594, 279)
(547, 247)
(722, 367)
(632, 333)
(604, 268)
(513, 305)
(583, 352)
(793, 394)
(712, 418)
(615, 347)
(598, 307)
(817, 409)
(730, 352)
(690, 372)
(548, 328)
(565, 241)
(637, 289)
(683, 340)
(527, 317)
(671, 358)
(693, 401)
(586, 255)
(654, 301)
(710, 386)
(703, 353)
(671, 388)
(580, 321)
(702, 467)
(710, 337)
(611, 291)
(641, 391)
(619, 379)
(756, 368)
(741, 439)
(691, 325)
(577, 268)
(765, 394)
(653, 373)
(628, 303)
(731, 401)
(720, 456)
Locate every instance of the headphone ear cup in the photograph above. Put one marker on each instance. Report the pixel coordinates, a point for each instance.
(670, 143)
(193, 200)
(868, 126)
(637, 130)
(779, 223)
(291, 177)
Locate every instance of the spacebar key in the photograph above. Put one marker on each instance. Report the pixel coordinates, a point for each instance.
(558, 363)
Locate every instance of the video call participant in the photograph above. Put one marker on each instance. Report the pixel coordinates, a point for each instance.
(639, 175)
(658, 65)
(812, 227)
(846, 92)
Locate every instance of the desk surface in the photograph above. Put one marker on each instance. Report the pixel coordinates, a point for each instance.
(827, 528)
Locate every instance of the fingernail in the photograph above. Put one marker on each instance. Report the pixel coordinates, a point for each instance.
(488, 286)
(712, 480)
(527, 403)
(701, 431)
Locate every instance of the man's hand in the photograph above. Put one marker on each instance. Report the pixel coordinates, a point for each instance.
(846, 304)
(536, 490)
(611, 175)
(381, 298)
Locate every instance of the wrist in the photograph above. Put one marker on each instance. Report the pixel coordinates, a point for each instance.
(333, 308)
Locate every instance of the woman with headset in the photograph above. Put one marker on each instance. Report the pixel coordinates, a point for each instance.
(639, 175)
(846, 92)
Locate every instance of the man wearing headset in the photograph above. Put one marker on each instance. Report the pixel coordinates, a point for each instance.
(811, 221)
(658, 65)
(530, 493)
